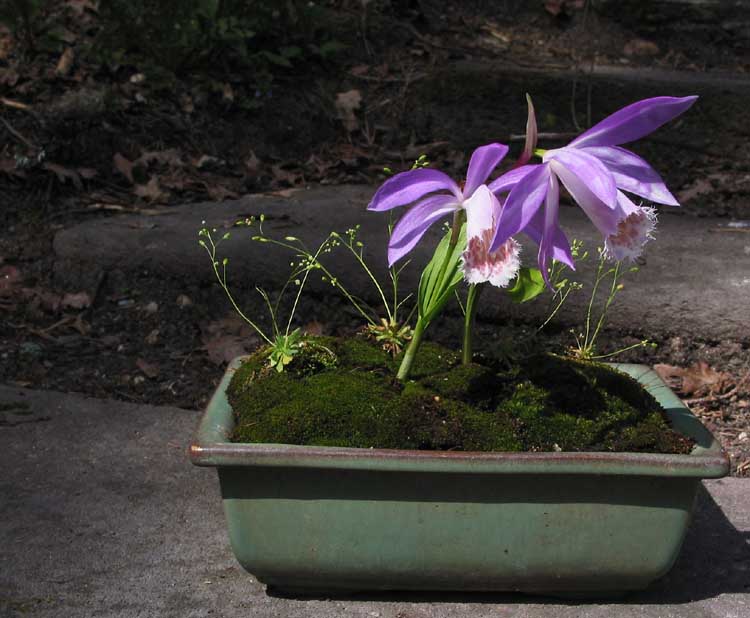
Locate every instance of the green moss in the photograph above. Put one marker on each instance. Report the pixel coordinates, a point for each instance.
(472, 383)
(344, 393)
(432, 359)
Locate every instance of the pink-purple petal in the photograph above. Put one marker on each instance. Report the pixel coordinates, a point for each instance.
(482, 211)
(551, 224)
(522, 204)
(483, 161)
(605, 217)
(510, 179)
(625, 205)
(633, 174)
(415, 222)
(560, 247)
(588, 170)
(407, 187)
(634, 121)
(532, 134)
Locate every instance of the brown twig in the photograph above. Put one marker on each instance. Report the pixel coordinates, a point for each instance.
(18, 135)
(15, 104)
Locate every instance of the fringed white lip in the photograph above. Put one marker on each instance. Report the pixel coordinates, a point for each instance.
(498, 267)
(633, 232)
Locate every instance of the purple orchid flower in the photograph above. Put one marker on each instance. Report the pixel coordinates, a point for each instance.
(596, 171)
(434, 196)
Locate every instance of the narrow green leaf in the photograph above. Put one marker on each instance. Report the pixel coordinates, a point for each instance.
(441, 276)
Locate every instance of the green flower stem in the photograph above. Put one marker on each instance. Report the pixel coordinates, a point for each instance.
(475, 290)
(411, 352)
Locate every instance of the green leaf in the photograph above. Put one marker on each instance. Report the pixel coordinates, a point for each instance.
(292, 51)
(441, 276)
(529, 284)
(276, 59)
(330, 48)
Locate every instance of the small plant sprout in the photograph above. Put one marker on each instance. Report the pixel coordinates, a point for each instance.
(390, 330)
(284, 344)
(607, 276)
(585, 347)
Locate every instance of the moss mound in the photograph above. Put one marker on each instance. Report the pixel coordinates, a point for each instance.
(343, 392)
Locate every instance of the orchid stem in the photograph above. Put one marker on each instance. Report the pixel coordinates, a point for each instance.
(416, 339)
(475, 290)
(411, 352)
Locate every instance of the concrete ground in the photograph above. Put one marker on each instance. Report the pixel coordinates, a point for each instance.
(694, 280)
(101, 514)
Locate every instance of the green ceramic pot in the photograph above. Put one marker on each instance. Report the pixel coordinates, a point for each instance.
(325, 518)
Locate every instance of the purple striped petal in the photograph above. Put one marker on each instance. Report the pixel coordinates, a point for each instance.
(625, 205)
(412, 226)
(551, 224)
(510, 179)
(588, 170)
(633, 122)
(633, 174)
(522, 203)
(483, 161)
(558, 241)
(407, 187)
(604, 216)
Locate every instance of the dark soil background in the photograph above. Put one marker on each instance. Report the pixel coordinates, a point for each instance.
(86, 135)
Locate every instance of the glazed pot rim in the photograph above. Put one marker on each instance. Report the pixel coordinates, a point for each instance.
(212, 447)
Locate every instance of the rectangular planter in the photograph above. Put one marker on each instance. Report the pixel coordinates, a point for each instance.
(325, 518)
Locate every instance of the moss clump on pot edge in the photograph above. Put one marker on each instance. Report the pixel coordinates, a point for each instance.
(343, 392)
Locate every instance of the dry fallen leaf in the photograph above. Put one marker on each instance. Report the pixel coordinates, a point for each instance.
(87, 172)
(700, 379)
(252, 163)
(219, 193)
(46, 299)
(124, 166)
(346, 104)
(148, 369)
(151, 191)
(10, 276)
(82, 327)
(227, 92)
(153, 337)
(697, 380)
(64, 174)
(282, 176)
(556, 7)
(314, 328)
(65, 64)
(186, 103)
(641, 47)
(228, 338)
(79, 300)
(170, 157)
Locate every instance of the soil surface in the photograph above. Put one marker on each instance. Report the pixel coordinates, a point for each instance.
(89, 141)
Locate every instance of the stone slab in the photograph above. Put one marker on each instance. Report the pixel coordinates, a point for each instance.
(694, 281)
(101, 514)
